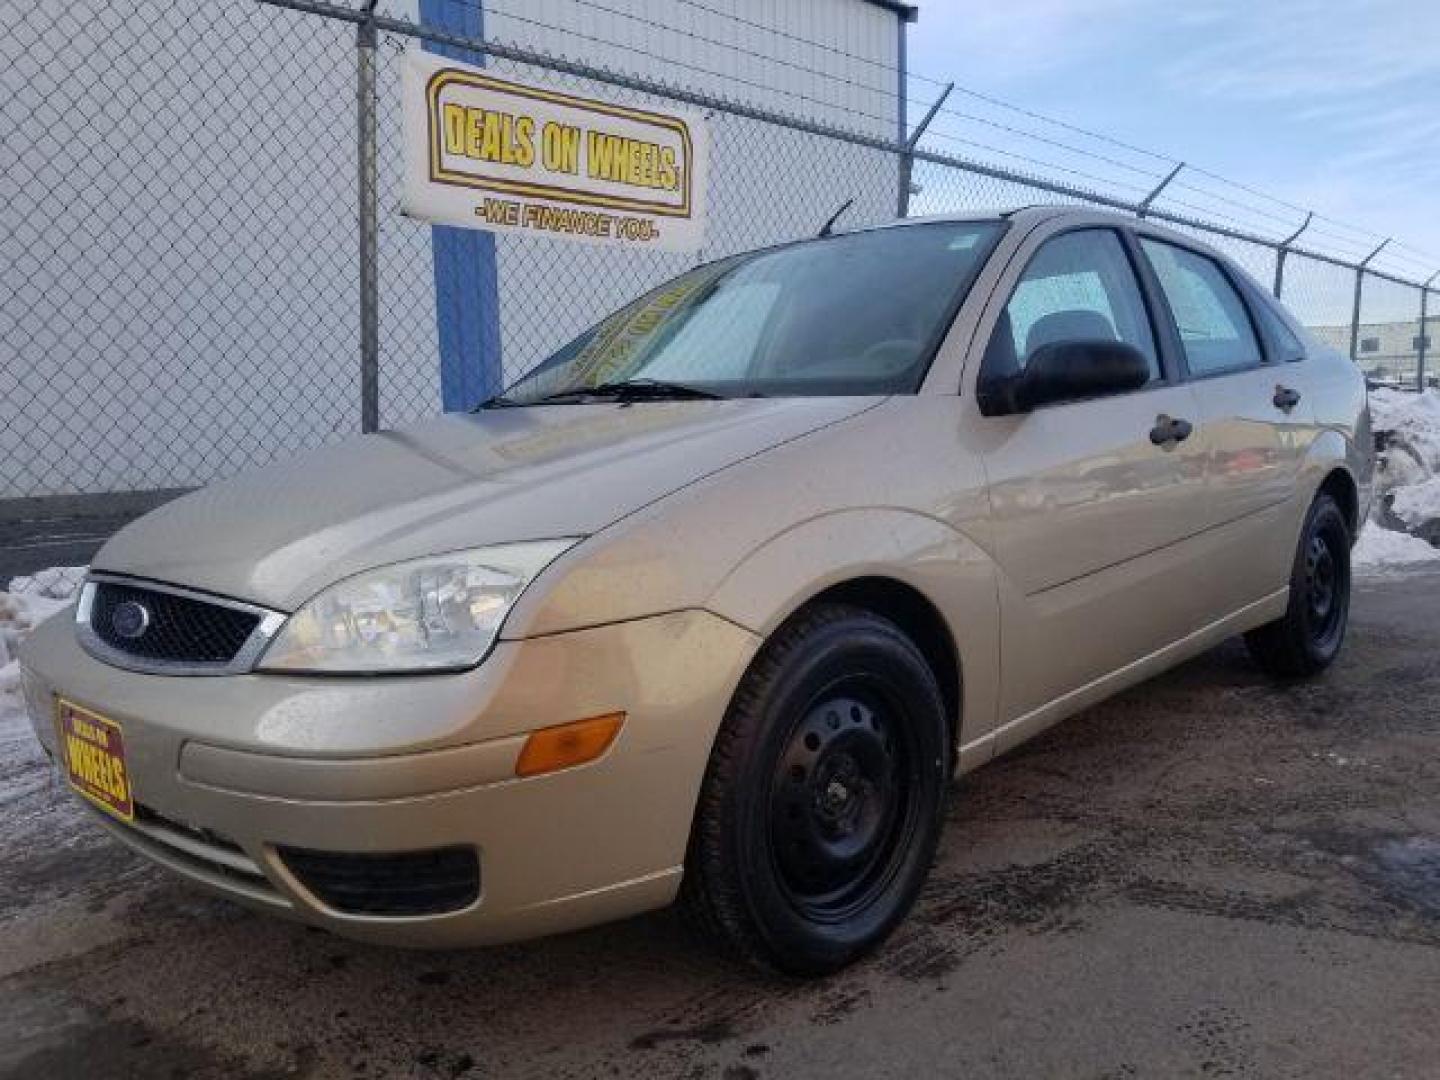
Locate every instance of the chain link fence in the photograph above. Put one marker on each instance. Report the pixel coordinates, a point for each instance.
(180, 259)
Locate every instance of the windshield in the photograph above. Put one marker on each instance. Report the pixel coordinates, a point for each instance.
(858, 313)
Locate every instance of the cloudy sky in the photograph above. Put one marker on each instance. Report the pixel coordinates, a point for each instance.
(1327, 104)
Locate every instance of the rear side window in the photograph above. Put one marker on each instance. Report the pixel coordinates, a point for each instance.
(1214, 326)
(1080, 286)
(1282, 340)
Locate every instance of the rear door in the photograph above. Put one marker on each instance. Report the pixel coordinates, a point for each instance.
(1256, 416)
(1089, 513)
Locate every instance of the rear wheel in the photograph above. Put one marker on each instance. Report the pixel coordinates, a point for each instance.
(821, 804)
(1308, 637)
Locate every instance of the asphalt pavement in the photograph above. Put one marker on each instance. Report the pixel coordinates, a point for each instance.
(66, 530)
(1210, 876)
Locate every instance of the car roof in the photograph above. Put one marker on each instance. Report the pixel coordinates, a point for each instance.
(1030, 213)
(1034, 213)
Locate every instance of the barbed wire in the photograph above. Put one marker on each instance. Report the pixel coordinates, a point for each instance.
(820, 73)
(725, 76)
(748, 52)
(1034, 162)
(1037, 162)
(1094, 155)
(595, 5)
(1426, 258)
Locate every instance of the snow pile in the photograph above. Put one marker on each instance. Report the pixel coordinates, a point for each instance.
(1417, 504)
(39, 815)
(1380, 548)
(29, 602)
(1411, 423)
(1405, 525)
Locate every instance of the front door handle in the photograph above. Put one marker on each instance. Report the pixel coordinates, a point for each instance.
(1285, 398)
(1168, 431)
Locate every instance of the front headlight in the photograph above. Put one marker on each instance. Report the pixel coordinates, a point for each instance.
(435, 613)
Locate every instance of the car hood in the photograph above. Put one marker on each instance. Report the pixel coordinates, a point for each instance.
(278, 535)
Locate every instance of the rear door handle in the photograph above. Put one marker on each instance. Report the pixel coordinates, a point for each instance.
(1285, 398)
(1168, 431)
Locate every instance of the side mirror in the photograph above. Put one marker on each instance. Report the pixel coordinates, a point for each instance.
(1065, 371)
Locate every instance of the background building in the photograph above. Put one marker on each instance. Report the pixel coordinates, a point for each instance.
(1386, 351)
(178, 206)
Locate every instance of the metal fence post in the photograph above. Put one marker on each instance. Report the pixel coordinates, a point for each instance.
(1143, 206)
(1355, 311)
(907, 153)
(365, 43)
(1422, 341)
(1284, 249)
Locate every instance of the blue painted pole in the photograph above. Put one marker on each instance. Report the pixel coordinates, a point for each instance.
(467, 285)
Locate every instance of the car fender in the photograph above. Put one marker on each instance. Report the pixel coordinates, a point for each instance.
(1331, 450)
(952, 572)
(1343, 436)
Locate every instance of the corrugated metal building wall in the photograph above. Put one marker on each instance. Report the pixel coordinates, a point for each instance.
(180, 198)
(825, 59)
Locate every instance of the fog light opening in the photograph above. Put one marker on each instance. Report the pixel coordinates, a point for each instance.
(567, 745)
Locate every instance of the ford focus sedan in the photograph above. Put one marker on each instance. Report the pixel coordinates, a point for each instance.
(714, 602)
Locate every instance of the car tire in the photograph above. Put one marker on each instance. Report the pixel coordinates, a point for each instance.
(821, 803)
(1308, 636)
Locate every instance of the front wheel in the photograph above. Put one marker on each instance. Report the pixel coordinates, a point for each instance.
(821, 805)
(1308, 637)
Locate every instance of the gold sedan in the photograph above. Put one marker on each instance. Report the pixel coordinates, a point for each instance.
(715, 601)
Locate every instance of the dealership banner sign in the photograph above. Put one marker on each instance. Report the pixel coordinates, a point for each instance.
(488, 153)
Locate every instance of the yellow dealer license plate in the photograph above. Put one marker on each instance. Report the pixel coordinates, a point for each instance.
(93, 751)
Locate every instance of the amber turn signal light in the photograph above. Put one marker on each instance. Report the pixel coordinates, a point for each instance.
(567, 745)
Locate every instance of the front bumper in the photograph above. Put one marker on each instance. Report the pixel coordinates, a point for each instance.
(230, 770)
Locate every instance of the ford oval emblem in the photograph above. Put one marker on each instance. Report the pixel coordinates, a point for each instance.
(130, 619)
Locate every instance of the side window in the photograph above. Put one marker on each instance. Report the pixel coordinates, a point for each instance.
(1214, 327)
(1079, 286)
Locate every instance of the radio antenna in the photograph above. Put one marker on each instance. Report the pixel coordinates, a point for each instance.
(829, 226)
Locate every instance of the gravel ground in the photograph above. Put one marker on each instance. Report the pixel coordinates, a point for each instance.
(1209, 876)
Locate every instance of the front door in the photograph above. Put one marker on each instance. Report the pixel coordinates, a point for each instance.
(1091, 502)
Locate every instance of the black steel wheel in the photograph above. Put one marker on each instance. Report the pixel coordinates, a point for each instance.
(821, 804)
(1308, 637)
(842, 801)
(1327, 573)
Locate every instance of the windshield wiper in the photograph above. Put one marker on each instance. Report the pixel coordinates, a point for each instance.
(656, 388)
(638, 390)
(499, 401)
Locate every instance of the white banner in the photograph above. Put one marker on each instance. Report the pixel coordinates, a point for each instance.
(488, 153)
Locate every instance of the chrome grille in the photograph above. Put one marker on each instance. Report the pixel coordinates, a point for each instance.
(177, 627)
(151, 626)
